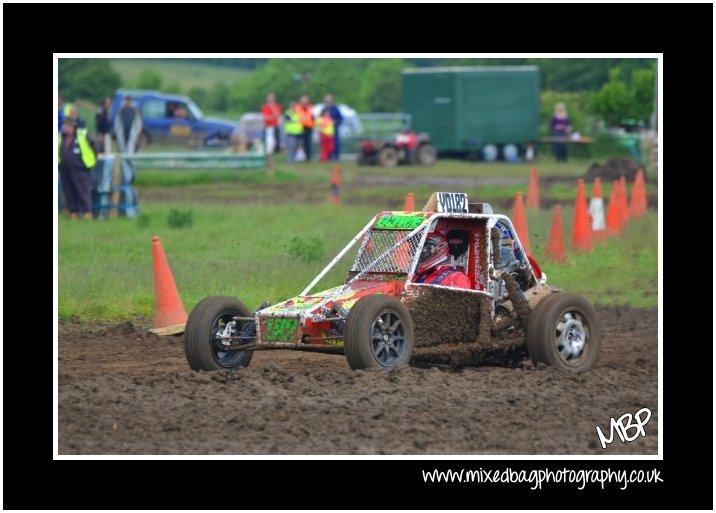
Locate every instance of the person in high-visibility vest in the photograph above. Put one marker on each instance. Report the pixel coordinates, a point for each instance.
(327, 130)
(294, 133)
(77, 157)
(304, 109)
(69, 110)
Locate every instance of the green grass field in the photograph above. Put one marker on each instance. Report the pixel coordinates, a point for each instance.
(255, 238)
(185, 74)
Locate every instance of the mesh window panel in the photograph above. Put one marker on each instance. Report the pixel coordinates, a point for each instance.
(386, 251)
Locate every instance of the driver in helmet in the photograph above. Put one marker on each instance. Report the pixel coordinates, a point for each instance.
(434, 266)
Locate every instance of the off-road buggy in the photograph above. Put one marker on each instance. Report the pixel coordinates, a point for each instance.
(380, 316)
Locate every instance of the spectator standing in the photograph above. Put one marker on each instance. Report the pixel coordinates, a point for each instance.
(305, 111)
(128, 126)
(70, 110)
(104, 127)
(326, 130)
(271, 111)
(77, 157)
(335, 114)
(294, 132)
(561, 127)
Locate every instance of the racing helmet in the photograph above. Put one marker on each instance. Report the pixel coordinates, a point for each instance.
(434, 252)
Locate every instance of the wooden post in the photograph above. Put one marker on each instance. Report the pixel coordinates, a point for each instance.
(116, 182)
(269, 165)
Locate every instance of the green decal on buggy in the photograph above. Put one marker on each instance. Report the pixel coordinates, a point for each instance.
(399, 222)
(280, 329)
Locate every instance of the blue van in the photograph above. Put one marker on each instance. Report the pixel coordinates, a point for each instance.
(174, 119)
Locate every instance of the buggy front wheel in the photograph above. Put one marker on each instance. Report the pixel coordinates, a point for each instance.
(378, 334)
(210, 324)
(564, 332)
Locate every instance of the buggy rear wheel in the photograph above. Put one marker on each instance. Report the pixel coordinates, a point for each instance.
(210, 321)
(378, 334)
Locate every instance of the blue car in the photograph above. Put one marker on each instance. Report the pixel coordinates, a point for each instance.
(174, 119)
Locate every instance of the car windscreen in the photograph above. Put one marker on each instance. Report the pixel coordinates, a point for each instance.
(386, 251)
(195, 110)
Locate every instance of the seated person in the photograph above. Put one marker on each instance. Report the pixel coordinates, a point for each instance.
(434, 266)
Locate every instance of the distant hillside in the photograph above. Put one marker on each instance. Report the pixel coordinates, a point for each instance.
(181, 72)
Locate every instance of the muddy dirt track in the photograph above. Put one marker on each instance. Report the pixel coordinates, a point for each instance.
(123, 390)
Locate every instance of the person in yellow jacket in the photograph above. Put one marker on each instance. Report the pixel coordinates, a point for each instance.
(293, 128)
(305, 112)
(77, 157)
(327, 130)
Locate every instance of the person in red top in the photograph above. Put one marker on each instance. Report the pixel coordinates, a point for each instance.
(271, 111)
(433, 267)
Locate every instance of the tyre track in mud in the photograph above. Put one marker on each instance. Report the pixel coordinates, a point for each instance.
(123, 390)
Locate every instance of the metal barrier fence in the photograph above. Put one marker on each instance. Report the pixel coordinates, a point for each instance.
(195, 160)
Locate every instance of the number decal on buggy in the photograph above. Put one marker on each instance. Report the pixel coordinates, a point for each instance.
(280, 330)
(398, 222)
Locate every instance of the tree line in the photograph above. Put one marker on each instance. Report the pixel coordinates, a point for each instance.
(611, 89)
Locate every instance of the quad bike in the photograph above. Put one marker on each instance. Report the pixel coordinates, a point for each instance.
(403, 148)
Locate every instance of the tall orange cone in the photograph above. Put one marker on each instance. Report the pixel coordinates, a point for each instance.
(519, 218)
(581, 232)
(533, 190)
(596, 210)
(171, 316)
(623, 203)
(637, 208)
(614, 225)
(555, 240)
(409, 202)
(336, 185)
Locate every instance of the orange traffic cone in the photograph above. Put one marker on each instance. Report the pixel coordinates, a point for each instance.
(336, 185)
(596, 210)
(519, 218)
(555, 240)
(624, 204)
(613, 218)
(409, 202)
(533, 190)
(171, 316)
(638, 195)
(581, 233)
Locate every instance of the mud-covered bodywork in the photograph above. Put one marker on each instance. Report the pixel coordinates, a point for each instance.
(315, 319)
(389, 248)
